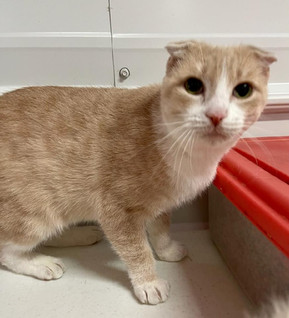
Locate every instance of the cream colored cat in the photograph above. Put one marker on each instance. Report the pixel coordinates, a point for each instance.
(122, 157)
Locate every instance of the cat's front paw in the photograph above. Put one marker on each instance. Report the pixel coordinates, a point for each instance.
(154, 292)
(174, 252)
(47, 268)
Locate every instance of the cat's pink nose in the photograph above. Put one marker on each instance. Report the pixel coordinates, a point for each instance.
(215, 119)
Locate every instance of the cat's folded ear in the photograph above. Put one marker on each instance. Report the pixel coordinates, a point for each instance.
(265, 57)
(177, 51)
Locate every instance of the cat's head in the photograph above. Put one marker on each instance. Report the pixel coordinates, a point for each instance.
(216, 92)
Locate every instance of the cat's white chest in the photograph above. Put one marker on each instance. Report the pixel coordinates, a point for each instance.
(193, 176)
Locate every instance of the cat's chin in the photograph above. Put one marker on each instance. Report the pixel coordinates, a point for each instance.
(217, 138)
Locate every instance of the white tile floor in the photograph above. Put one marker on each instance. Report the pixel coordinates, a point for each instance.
(96, 285)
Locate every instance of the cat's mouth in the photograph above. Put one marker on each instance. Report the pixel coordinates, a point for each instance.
(218, 135)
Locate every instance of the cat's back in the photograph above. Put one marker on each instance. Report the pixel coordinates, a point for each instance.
(40, 113)
(50, 101)
(67, 111)
(47, 117)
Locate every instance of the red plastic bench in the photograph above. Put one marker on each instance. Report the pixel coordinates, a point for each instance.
(254, 176)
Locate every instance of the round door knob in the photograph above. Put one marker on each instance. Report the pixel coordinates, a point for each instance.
(124, 73)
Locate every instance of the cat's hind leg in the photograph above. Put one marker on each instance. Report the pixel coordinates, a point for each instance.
(22, 259)
(23, 226)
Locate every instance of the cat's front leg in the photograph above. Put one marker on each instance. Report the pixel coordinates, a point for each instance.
(128, 237)
(166, 249)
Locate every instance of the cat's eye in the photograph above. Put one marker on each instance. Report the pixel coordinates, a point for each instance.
(243, 90)
(194, 86)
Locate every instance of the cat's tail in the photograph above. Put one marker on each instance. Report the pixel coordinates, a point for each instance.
(277, 308)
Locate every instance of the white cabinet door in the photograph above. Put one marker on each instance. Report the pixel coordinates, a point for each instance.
(142, 28)
(55, 42)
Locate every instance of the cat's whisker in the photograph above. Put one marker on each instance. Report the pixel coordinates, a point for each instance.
(170, 149)
(169, 134)
(177, 154)
(251, 150)
(174, 143)
(265, 149)
(188, 137)
(170, 124)
(193, 138)
(178, 148)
